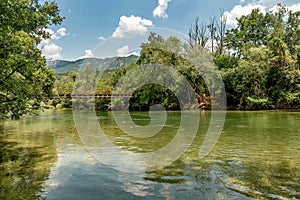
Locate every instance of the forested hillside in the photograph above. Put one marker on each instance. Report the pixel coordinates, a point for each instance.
(63, 67)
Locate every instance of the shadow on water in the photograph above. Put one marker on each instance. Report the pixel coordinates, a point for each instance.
(27, 154)
(23, 169)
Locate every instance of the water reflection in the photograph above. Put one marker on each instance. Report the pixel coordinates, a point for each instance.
(257, 156)
(27, 154)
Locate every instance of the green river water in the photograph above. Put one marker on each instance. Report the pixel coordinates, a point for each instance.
(256, 157)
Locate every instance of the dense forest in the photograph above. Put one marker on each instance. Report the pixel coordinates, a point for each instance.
(259, 61)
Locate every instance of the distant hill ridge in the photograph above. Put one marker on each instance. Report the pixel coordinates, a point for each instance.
(63, 66)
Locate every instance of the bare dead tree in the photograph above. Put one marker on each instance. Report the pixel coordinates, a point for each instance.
(198, 34)
(203, 35)
(221, 31)
(212, 32)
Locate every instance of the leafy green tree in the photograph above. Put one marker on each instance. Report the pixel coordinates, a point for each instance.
(246, 83)
(267, 49)
(292, 34)
(251, 31)
(283, 85)
(167, 52)
(64, 83)
(105, 83)
(277, 30)
(24, 81)
(224, 61)
(162, 52)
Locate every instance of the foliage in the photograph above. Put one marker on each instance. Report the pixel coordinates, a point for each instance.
(245, 84)
(258, 60)
(259, 83)
(272, 30)
(266, 47)
(24, 82)
(167, 52)
(224, 61)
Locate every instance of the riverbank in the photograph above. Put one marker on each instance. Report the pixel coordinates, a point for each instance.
(105, 105)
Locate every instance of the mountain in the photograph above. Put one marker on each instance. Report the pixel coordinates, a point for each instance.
(62, 66)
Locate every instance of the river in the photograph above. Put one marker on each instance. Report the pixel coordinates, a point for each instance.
(256, 157)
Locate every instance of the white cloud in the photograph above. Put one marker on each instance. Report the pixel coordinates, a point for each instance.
(123, 51)
(294, 7)
(160, 10)
(211, 43)
(60, 33)
(49, 49)
(131, 26)
(267, 3)
(263, 5)
(56, 35)
(135, 53)
(52, 51)
(274, 9)
(88, 54)
(101, 38)
(240, 10)
(44, 42)
(273, 3)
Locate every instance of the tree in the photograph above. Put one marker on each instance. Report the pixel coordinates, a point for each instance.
(221, 31)
(267, 49)
(169, 52)
(252, 31)
(160, 51)
(246, 83)
(292, 34)
(198, 34)
(157, 51)
(277, 30)
(212, 32)
(209, 35)
(24, 81)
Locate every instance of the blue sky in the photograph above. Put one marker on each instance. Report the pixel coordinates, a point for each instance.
(89, 23)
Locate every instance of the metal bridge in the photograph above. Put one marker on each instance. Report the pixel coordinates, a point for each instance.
(90, 96)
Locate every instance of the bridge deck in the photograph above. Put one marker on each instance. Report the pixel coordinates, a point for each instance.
(97, 96)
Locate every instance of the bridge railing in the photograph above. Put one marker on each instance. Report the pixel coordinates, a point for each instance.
(98, 96)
